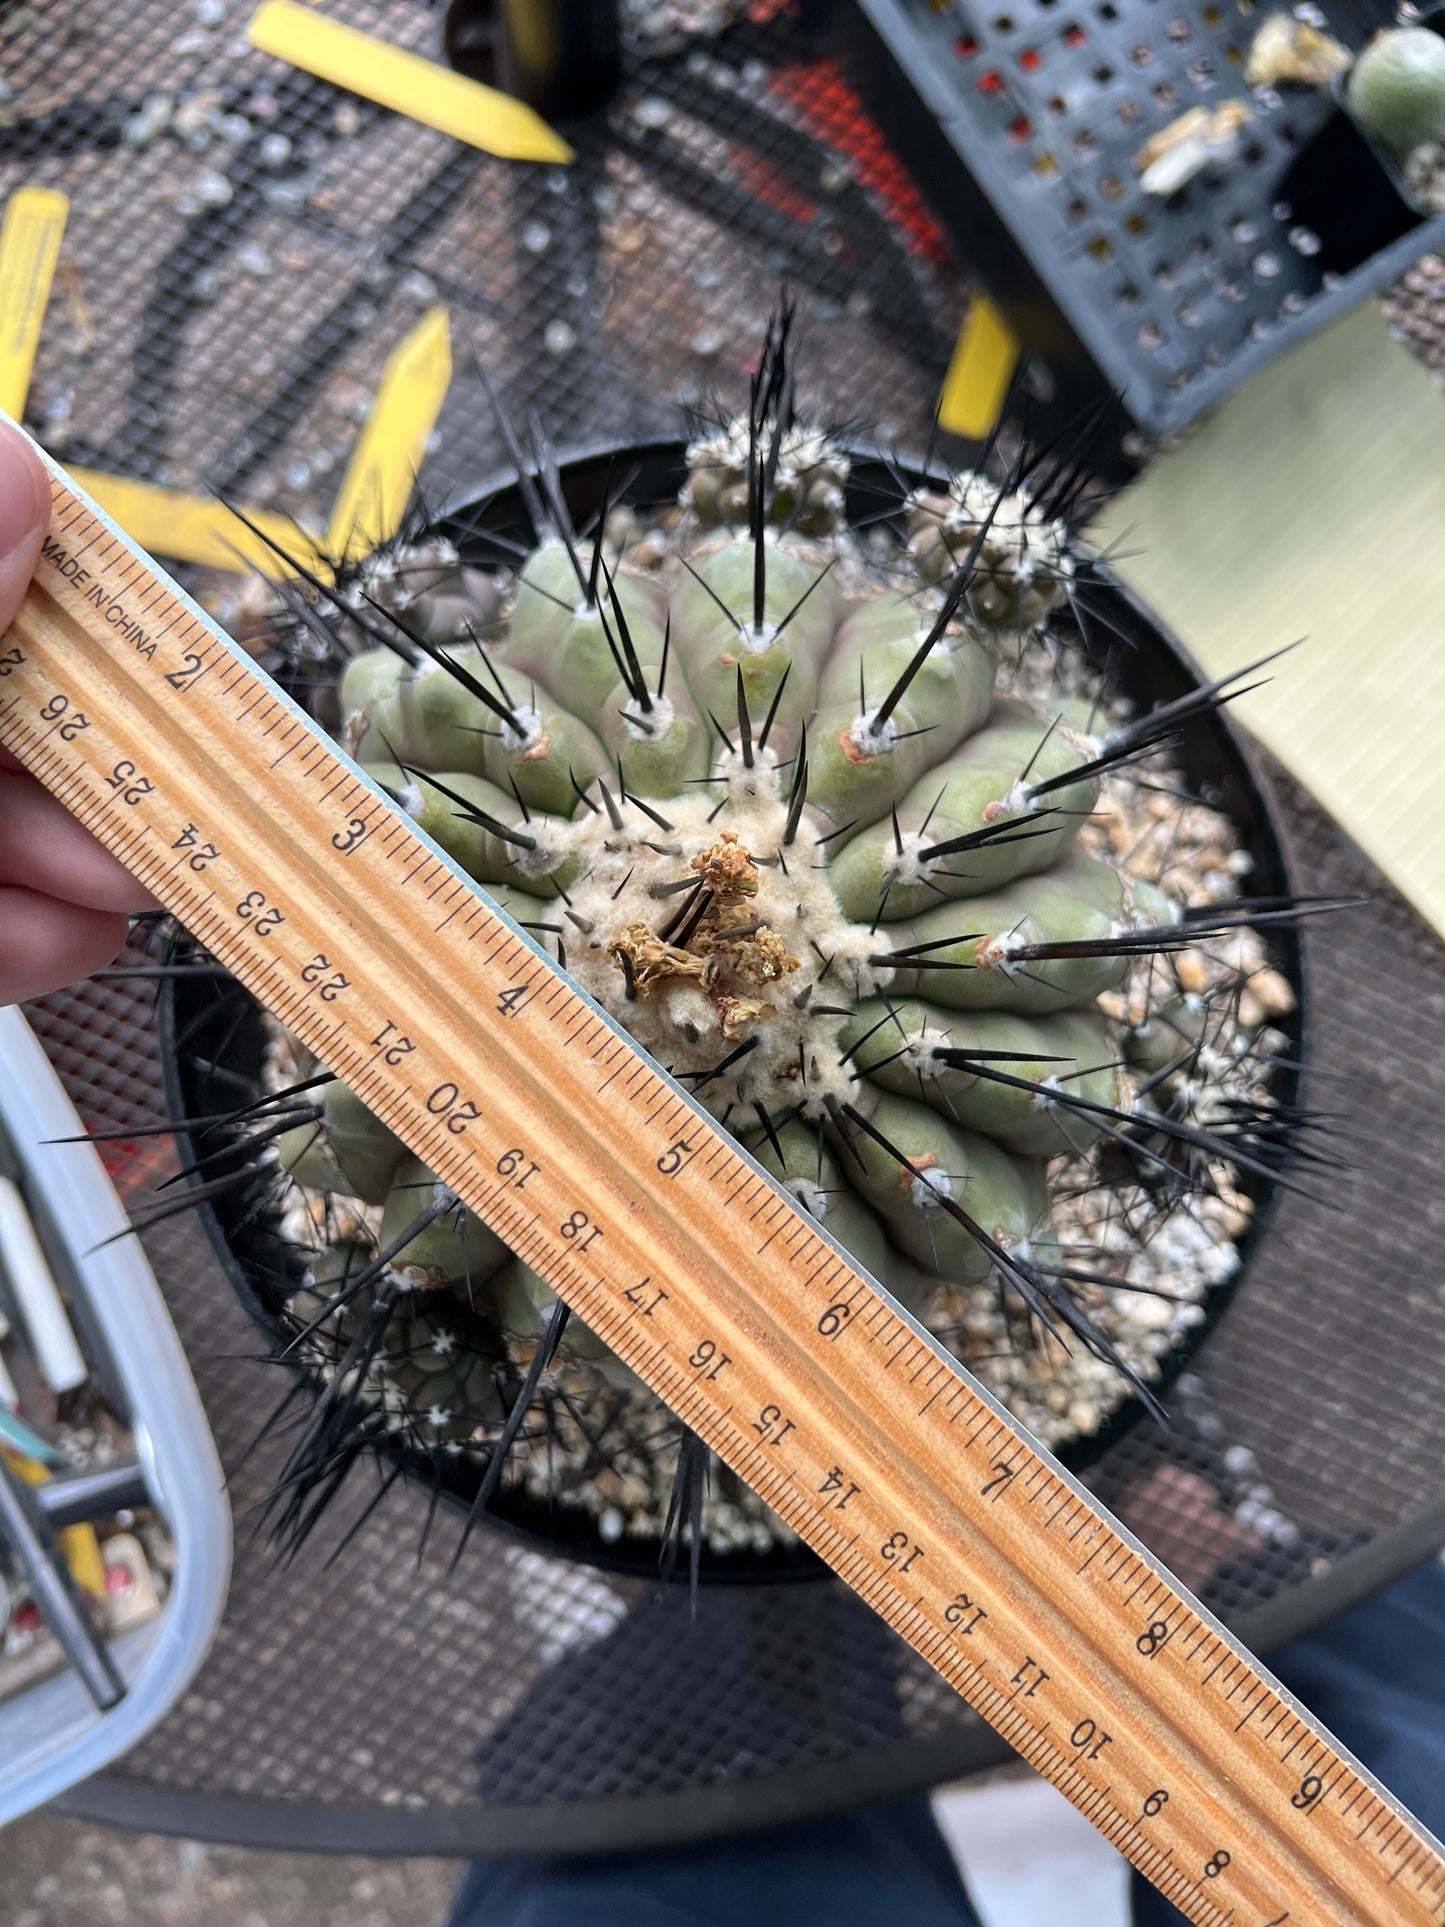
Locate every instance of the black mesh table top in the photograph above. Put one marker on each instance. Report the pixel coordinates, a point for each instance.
(226, 300)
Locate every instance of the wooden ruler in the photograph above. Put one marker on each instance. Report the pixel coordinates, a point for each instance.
(915, 1486)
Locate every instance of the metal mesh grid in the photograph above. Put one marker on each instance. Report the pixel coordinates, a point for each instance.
(531, 1702)
(234, 277)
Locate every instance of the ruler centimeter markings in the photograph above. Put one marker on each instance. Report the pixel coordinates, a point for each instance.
(883, 1454)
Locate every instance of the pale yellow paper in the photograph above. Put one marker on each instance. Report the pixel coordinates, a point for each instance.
(1313, 504)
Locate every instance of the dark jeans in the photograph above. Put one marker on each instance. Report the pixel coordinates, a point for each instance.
(1375, 1678)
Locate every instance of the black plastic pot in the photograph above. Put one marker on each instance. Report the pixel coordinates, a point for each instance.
(213, 1033)
(563, 57)
(1348, 191)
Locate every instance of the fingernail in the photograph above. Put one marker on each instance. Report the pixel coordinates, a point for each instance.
(24, 491)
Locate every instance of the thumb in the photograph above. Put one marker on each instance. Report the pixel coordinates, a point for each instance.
(24, 518)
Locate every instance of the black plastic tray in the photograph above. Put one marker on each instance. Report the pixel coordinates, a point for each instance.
(1020, 120)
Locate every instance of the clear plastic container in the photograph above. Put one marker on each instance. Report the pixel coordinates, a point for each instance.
(51, 1735)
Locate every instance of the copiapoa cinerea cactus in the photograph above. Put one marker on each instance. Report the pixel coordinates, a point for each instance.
(833, 822)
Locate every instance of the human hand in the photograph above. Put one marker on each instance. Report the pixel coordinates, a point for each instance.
(63, 899)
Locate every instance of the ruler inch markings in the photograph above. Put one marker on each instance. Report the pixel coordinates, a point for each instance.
(1137, 1729)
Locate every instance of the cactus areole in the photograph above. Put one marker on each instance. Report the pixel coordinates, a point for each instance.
(834, 814)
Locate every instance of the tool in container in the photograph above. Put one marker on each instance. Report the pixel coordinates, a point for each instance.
(297, 873)
(72, 1703)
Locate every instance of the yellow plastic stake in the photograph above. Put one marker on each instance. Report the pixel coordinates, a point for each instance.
(976, 385)
(369, 508)
(383, 468)
(197, 528)
(29, 249)
(83, 1555)
(406, 83)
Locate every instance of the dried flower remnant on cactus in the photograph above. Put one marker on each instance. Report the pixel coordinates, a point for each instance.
(844, 832)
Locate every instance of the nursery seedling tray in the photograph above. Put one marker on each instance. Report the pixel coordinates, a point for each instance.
(1020, 120)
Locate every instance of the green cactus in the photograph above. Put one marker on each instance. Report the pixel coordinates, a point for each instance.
(807, 487)
(775, 809)
(1396, 89)
(1023, 558)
